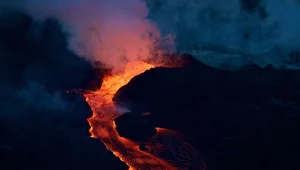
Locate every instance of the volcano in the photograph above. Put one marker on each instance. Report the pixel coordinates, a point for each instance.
(188, 117)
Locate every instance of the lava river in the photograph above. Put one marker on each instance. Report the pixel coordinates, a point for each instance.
(103, 126)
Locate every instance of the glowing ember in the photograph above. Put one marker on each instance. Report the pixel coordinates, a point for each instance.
(103, 127)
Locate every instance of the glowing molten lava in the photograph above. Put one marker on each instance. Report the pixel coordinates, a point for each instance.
(103, 127)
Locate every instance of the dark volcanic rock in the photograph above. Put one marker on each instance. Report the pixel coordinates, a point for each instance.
(246, 119)
(142, 147)
(135, 127)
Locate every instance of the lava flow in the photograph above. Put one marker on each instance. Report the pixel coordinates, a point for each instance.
(103, 126)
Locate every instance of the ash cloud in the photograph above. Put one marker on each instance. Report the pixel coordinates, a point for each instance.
(238, 31)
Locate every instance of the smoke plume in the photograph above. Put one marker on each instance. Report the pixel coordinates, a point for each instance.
(233, 32)
(112, 32)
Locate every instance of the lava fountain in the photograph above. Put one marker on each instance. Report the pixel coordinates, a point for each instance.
(103, 126)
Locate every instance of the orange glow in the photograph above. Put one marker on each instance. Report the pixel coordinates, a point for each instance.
(103, 126)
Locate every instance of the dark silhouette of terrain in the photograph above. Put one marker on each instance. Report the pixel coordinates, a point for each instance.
(245, 119)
